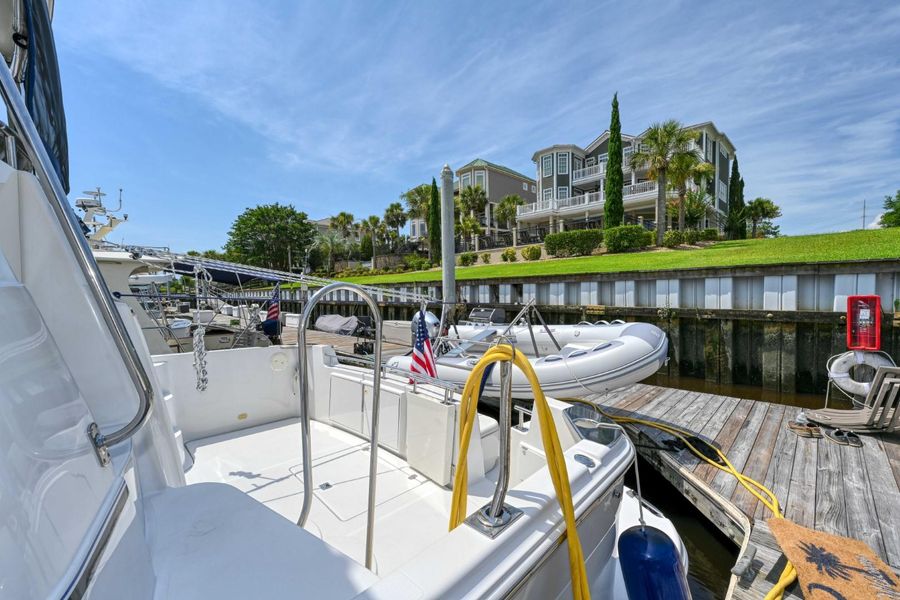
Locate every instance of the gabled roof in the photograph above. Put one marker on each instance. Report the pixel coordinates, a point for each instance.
(602, 138)
(704, 125)
(480, 162)
(556, 147)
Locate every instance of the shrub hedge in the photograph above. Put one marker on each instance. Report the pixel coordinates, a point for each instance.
(531, 252)
(691, 236)
(485, 257)
(626, 237)
(709, 235)
(508, 255)
(467, 259)
(579, 242)
(673, 238)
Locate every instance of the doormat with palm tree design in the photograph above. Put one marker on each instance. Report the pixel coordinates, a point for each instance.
(831, 567)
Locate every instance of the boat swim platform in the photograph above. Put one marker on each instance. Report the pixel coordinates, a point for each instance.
(853, 492)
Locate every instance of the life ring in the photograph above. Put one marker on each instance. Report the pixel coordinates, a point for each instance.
(840, 366)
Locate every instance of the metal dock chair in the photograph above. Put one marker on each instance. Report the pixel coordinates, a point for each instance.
(879, 412)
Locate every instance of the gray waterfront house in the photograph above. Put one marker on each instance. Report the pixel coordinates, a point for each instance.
(570, 185)
(497, 181)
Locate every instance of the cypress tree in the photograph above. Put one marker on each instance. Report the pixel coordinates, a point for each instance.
(613, 211)
(736, 223)
(434, 223)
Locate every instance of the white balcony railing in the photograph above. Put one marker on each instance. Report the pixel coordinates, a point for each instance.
(639, 188)
(588, 173)
(583, 200)
(589, 200)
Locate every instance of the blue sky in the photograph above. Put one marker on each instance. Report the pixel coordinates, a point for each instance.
(201, 109)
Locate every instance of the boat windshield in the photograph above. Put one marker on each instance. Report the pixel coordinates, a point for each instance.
(43, 90)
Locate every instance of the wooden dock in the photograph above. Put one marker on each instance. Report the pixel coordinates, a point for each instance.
(854, 492)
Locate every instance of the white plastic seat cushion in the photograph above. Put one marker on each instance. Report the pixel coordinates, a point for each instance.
(209, 540)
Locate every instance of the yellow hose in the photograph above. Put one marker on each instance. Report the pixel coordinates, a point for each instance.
(556, 461)
(789, 574)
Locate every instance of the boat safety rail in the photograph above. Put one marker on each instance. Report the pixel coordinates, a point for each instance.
(183, 264)
(486, 519)
(416, 378)
(52, 187)
(766, 496)
(305, 431)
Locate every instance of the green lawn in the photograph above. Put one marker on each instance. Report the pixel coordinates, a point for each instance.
(851, 245)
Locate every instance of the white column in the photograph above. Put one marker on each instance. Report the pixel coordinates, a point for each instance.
(487, 218)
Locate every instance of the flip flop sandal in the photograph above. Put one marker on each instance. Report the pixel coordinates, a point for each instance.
(844, 438)
(807, 430)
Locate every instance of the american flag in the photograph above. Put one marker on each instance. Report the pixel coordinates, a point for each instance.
(275, 305)
(422, 356)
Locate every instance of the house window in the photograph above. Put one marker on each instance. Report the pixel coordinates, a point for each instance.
(562, 193)
(547, 194)
(547, 165)
(412, 229)
(533, 189)
(479, 179)
(466, 181)
(562, 164)
(590, 161)
(423, 230)
(524, 186)
(576, 163)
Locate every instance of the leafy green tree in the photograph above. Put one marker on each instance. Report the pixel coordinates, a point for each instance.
(891, 216)
(613, 208)
(273, 236)
(662, 143)
(417, 201)
(759, 210)
(507, 209)
(684, 168)
(434, 223)
(736, 221)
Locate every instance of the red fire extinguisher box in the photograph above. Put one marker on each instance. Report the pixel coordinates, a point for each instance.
(864, 323)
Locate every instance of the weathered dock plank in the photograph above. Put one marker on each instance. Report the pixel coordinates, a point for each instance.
(819, 484)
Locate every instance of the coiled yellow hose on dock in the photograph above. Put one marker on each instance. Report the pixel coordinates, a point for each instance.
(764, 494)
(556, 461)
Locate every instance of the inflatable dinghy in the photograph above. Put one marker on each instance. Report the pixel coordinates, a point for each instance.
(636, 351)
(535, 340)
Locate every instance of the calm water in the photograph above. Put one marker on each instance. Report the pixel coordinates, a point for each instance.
(751, 392)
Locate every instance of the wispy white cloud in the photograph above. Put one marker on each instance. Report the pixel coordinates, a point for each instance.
(379, 91)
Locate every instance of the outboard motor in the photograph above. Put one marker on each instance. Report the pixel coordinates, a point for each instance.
(432, 325)
(651, 565)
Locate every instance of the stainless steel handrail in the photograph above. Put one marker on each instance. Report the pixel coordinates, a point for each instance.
(305, 433)
(53, 189)
(496, 508)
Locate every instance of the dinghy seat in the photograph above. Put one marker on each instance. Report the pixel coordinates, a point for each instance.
(209, 540)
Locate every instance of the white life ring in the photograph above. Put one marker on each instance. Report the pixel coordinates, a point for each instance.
(840, 367)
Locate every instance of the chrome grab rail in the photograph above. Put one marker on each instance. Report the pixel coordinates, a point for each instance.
(303, 371)
(48, 178)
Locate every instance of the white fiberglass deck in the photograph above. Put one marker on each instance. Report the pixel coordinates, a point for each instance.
(265, 462)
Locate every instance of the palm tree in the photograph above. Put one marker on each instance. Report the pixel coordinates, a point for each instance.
(342, 223)
(506, 209)
(695, 206)
(761, 209)
(473, 200)
(469, 226)
(395, 216)
(417, 200)
(372, 226)
(684, 168)
(658, 147)
(330, 243)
